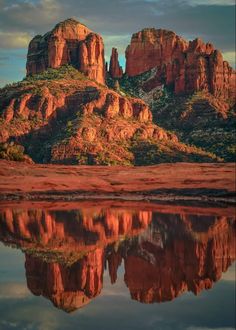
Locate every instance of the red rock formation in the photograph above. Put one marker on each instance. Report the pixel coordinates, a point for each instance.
(150, 48)
(115, 69)
(82, 95)
(70, 42)
(187, 66)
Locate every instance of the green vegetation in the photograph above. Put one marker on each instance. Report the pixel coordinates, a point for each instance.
(11, 151)
(153, 152)
(196, 119)
(64, 72)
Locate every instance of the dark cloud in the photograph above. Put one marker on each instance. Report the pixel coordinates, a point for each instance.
(116, 20)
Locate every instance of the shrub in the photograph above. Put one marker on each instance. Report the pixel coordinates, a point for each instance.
(12, 151)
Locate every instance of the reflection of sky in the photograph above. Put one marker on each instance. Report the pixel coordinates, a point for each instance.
(113, 309)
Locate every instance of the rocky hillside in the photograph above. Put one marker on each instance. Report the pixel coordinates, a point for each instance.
(188, 86)
(63, 112)
(60, 116)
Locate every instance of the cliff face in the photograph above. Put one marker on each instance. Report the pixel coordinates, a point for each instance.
(70, 42)
(89, 98)
(186, 66)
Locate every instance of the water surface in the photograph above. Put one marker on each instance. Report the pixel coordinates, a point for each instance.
(114, 265)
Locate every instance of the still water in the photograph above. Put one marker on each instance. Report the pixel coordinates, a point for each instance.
(113, 265)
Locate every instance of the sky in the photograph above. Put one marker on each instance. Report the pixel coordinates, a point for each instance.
(115, 20)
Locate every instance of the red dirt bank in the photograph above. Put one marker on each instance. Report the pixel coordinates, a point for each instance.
(165, 181)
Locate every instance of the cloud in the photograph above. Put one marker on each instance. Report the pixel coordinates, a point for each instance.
(123, 17)
(230, 57)
(206, 328)
(117, 20)
(212, 2)
(28, 16)
(14, 39)
(118, 41)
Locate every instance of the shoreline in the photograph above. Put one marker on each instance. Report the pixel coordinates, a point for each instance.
(73, 196)
(170, 182)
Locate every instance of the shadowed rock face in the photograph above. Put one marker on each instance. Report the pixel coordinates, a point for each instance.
(165, 254)
(70, 42)
(186, 66)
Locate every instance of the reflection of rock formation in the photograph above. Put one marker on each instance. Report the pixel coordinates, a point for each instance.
(176, 253)
(169, 262)
(70, 232)
(69, 288)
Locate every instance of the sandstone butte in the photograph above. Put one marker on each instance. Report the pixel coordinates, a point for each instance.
(110, 120)
(70, 42)
(186, 66)
(156, 265)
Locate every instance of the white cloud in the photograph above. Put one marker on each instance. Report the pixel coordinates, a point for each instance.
(14, 39)
(230, 57)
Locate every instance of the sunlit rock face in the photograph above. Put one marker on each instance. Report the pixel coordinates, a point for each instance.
(164, 253)
(70, 42)
(185, 66)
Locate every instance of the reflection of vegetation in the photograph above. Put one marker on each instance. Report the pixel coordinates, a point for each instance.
(50, 256)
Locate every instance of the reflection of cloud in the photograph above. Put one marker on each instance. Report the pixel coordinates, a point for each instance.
(13, 291)
(230, 274)
(43, 325)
